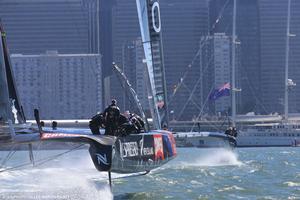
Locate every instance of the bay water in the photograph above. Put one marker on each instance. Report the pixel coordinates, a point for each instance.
(242, 173)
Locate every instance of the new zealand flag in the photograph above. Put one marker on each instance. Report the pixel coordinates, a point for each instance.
(224, 90)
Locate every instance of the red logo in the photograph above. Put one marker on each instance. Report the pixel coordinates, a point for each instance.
(158, 147)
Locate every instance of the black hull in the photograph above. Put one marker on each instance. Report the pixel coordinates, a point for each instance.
(142, 152)
(130, 154)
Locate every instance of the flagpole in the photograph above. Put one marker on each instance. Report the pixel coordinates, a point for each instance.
(233, 98)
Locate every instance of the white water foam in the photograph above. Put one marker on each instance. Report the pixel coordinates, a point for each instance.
(216, 157)
(54, 183)
(291, 184)
(74, 179)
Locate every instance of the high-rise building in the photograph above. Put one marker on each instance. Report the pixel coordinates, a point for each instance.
(248, 32)
(216, 64)
(222, 68)
(273, 26)
(34, 26)
(105, 34)
(62, 86)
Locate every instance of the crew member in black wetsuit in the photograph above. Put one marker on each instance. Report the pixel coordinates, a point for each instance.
(231, 131)
(234, 132)
(136, 122)
(96, 123)
(111, 115)
(228, 131)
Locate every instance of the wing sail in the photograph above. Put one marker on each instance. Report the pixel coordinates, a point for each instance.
(11, 112)
(10, 98)
(150, 26)
(5, 113)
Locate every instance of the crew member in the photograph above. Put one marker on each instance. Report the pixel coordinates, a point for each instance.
(96, 123)
(228, 131)
(111, 115)
(137, 123)
(234, 132)
(141, 123)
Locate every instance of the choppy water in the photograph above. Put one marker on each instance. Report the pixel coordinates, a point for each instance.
(247, 173)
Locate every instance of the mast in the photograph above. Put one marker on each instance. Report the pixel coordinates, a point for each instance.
(286, 97)
(201, 70)
(233, 89)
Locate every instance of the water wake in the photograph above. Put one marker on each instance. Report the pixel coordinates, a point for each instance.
(220, 157)
(215, 157)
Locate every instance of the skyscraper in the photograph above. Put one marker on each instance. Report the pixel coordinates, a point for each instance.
(216, 62)
(222, 68)
(34, 26)
(248, 32)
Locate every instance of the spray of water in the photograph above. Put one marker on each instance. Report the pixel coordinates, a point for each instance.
(211, 158)
(220, 157)
(68, 178)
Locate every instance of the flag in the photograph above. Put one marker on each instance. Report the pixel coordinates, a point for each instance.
(224, 90)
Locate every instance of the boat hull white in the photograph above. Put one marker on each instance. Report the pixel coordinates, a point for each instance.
(262, 141)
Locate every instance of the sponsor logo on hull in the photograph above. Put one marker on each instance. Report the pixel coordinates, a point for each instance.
(102, 159)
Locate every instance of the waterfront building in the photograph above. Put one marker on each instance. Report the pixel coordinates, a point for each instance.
(70, 27)
(61, 86)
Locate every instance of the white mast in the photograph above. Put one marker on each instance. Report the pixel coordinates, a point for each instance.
(286, 99)
(233, 90)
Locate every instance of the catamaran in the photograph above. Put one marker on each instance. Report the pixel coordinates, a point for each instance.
(129, 154)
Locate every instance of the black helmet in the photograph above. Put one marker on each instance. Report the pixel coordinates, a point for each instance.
(113, 101)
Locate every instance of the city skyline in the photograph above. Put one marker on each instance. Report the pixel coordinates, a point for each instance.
(261, 27)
